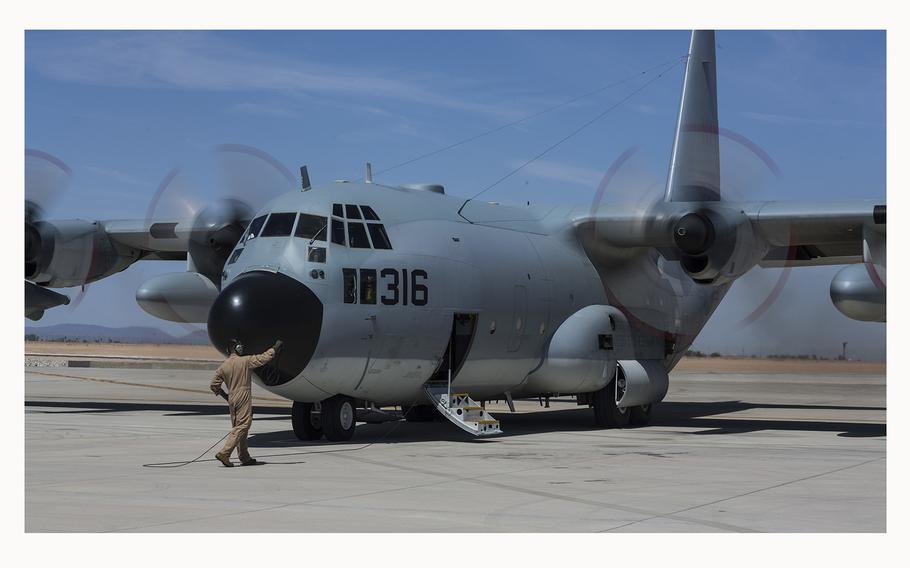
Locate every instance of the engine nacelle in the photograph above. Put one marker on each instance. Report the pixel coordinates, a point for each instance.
(581, 356)
(716, 245)
(216, 230)
(858, 291)
(183, 297)
(60, 254)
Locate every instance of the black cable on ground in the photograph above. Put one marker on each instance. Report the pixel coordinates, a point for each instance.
(362, 447)
(183, 463)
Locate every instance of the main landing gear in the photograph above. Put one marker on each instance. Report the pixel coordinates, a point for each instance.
(608, 415)
(335, 418)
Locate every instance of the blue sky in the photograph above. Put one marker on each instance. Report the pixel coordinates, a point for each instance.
(122, 108)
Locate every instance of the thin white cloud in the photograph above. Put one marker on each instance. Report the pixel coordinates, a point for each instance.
(265, 109)
(118, 176)
(784, 119)
(558, 171)
(203, 61)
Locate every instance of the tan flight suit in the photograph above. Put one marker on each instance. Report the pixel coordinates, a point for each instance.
(237, 372)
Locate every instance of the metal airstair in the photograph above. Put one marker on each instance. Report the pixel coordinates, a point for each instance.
(461, 410)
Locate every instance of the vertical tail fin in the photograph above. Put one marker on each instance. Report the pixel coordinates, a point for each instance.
(695, 163)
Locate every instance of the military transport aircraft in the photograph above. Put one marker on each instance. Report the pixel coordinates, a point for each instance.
(404, 296)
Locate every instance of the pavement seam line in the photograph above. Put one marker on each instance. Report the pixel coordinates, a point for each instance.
(753, 492)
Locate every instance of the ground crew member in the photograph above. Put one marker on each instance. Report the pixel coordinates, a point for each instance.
(236, 372)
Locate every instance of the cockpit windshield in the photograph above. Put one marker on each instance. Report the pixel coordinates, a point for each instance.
(255, 227)
(311, 227)
(279, 225)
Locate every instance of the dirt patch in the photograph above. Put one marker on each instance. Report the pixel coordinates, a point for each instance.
(772, 366)
(162, 351)
(688, 364)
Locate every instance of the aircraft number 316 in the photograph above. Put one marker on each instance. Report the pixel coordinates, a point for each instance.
(392, 286)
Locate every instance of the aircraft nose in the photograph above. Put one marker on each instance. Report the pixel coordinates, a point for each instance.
(259, 308)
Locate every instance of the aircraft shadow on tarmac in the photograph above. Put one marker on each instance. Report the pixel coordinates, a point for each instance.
(709, 418)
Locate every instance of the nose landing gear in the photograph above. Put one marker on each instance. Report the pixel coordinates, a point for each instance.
(306, 418)
(339, 417)
(335, 418)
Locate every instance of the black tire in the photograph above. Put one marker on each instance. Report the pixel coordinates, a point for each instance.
(307, 424)
(339, 418)
(641, 415)
(419, 413)
(606, 413)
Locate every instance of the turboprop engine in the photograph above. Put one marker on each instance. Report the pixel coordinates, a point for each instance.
(713, 243)
(187, 296)
(60, 254)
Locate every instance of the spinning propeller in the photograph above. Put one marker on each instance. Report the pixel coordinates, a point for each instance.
(221, 192)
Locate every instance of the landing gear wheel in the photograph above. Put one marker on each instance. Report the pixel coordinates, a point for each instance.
(307, 422)
(419, 413)
(606, 413)
(339, 417)
(641, 415)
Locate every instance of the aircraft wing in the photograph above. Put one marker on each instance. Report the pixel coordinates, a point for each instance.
(820, 233)
(152, 240)
(782, 232)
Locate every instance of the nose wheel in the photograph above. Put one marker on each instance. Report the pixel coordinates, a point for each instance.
(306, 418)
(339, 418)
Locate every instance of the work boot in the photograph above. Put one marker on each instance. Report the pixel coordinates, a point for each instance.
(250, 461)
(224, 459)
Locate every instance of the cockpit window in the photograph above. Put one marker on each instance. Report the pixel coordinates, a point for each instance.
(279, 225)
(311, 227)
(357, 236)
(379, 236)
(255, 226)
(368, 213)
(352, 211)
(338, 232)
(315, 254)
(235, 255)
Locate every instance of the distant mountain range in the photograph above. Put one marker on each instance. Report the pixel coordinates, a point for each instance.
(134, 334)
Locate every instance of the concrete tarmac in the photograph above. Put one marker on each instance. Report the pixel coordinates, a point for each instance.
(726, 452)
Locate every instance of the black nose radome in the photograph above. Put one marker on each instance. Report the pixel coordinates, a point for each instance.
(259, 308)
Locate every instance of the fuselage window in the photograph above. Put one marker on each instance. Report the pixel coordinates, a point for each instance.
(279, 225)
(311, 227)
(255, 226)
(350, 285)
(337, 210)
(367, 286)
(357, 236)
(338, 232)
(368, 213)
(352, 211)
(379, 236)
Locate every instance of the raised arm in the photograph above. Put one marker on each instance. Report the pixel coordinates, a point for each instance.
(264, 358)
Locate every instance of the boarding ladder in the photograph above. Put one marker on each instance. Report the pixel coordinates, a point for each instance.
(461, 410)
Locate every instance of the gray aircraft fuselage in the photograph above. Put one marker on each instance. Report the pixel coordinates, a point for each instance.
(518, 273)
